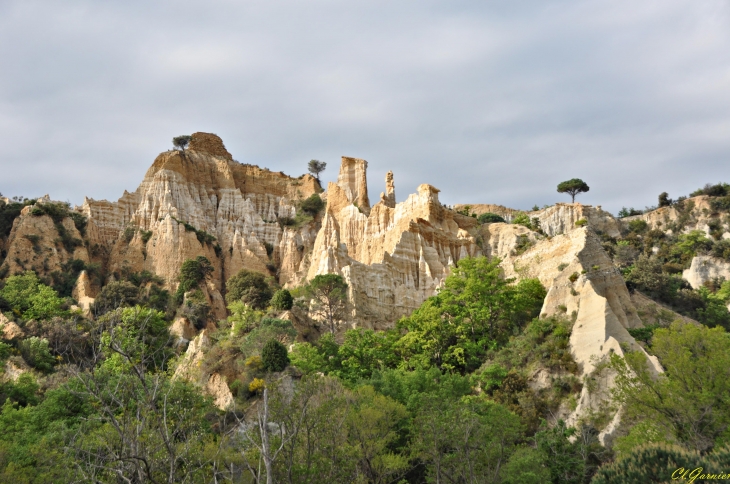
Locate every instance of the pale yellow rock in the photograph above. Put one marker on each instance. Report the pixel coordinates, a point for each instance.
(706, 268)
(32, 245)
(9, 329)
(183, 329)
(217, 388)
(84, 293)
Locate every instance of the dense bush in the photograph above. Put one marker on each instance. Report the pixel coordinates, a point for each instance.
(192, 273)
(717, 190)
(196, 309)
(274, 356)
(36, 353)
(115, 295)
(488, 218)
(282, 300)
(28, 298)
(250, 287)
(312, 205)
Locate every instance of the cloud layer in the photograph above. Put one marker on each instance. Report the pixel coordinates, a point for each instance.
(492, 102)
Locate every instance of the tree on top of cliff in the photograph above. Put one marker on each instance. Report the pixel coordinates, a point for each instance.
(573, 187)
(181, 142)
(316, 167)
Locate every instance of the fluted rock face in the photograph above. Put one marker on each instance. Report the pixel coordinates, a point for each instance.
(480, 208)
(561, 218)
(35, 244)
(392, 258)
(353, 180)
(597, 299)
(185, 198)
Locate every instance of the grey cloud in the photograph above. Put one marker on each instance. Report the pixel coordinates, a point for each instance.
(492, 102)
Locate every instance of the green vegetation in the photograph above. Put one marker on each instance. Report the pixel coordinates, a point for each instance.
(249, 287)
(58, 212)
(328, 296)
(181, 142)
(28, 298)
(192, 273)
(573, 187)
(489, 218)
(315, 167)
(274, 356)
(282, 300)
(312, 205)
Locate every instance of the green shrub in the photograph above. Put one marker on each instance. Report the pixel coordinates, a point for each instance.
(36, 353)
(651, 463)
(489, 218)
(274, 356)
(282, 300)
(562, 266)
(580, 223)
(312, 205)
(196, 309)
(638, 226)
(522, 219)
(146, 236)
(249, 287)
(29, 298)
(192, 273)
(574, 277)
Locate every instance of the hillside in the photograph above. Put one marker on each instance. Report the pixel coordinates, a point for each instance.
(191, 284)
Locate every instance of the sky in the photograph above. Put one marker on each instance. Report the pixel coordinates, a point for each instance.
(489, 101)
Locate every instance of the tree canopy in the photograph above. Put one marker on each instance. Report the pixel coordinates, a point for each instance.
(316, 167)
(573, 187)
(181, 142)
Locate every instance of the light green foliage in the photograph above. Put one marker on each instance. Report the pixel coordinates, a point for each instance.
(642, 433)
(36, 353)
(688, 401)
(5, 349)
(267, 330)
(282, 300)
(249, 287)
(525, 466)
(243, 317)
(688, 245)
(29, 298)
(465, 439)
(563, 457)
(135, 339)
(522, 219)
(476, 310)
(638, 226)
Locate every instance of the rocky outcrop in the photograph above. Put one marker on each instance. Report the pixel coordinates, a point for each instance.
(695, 213)
(706, 268)
(8, 329)
(202, 202)
(480, 208)
(392, 258)
(352, 179)
(582, 284)
(562, 217)
(84, 293)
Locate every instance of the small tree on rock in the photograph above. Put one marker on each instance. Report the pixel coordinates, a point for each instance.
(328, 293)
(181, 142)
(316, 167)
(664, 200)
(573, 187)
(274, 356)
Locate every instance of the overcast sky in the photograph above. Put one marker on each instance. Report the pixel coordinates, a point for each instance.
(490, 101)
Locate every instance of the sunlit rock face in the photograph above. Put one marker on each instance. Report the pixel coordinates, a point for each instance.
(203, 203)
(393, 255)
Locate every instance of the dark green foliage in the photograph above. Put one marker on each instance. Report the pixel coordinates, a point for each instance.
(115, 295)
(146, 236)
(274, 356)
(202, 236)
(23, 392)
(64, 280)
(196, 309)
(629, 212)
(192, 273)
(8, 213)
(573, 187)
(664, 200)
(316, 167)
(489, 218)
(249, 287)
(643, 334)
(181, 142)
(58, 212)
(312, 205)
(128, 234)
(718, 190)
(269, 249)
(282, 300)
(720, 204)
